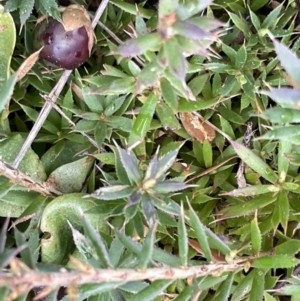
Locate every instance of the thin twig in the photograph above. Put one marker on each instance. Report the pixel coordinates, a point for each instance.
(19, 178)
(91, 275)
(54, 94)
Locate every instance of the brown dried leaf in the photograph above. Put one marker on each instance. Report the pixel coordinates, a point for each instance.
(28, 64)
(76, 16)
(196, 128)
(215, 254)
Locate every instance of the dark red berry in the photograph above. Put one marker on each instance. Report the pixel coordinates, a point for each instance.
(65, 49)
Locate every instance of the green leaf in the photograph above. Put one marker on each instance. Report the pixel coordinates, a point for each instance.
(246, 208)
(166, 7)
(168, 186)
(241, 58)
(26, 254)
(151, 291)
(140, 45)
(147, 250)
(168, 94)
(48, 7)
(207, 153)
(258, 286)
(175, 60)
(284, 209)
(166, 117)
(255, 235)
(281, 115)
(131, 8)
(98, 243)
(289, 61)
(6, 91)
(272, 19)
(243, 287)
(290, 247)
(68, 207)
(182, 239)
(283, 162)
(142, 123)
(240, 23)
(25, 9)
(165, 162)
(31, 165)
(257, 4)
(70, 177)
(7, 42)
(225, 288)
(158, 254)
(255, 20)
(199, 230)
(254, 162)
(191, 8)
(130, 164)
(112, 192)
(275, 262)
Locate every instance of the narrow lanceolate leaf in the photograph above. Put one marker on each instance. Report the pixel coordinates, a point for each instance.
(258, 285)
(281, 115)
(224, 289)
(175, 59)
(98, 243)
(275, 262)
(130, 163)
(287, 97)
(283, 162)
(169, 186)
(192, 31)
(216, 243)
(284, 208)
(243, 287)
(152, 167)
(82, 244)
(199, 230)
(289, 61)
(152, 291)
(182, 239)
(149, 210)
(147, 249)
(255, 235)
(25, 10)
(139, 45)
(165, 162)
(26, 253)
(254, 162)
(142, 123)
(248, 207)
(6, 91)
(253, 190)
(112, 192)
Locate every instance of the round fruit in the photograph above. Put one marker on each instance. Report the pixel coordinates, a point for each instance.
(65, 49)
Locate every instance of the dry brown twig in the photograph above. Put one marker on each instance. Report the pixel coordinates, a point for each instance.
(54, 94)
(88, 274)
(17, 177)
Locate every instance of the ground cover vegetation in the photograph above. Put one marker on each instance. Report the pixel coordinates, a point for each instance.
(149, 150)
